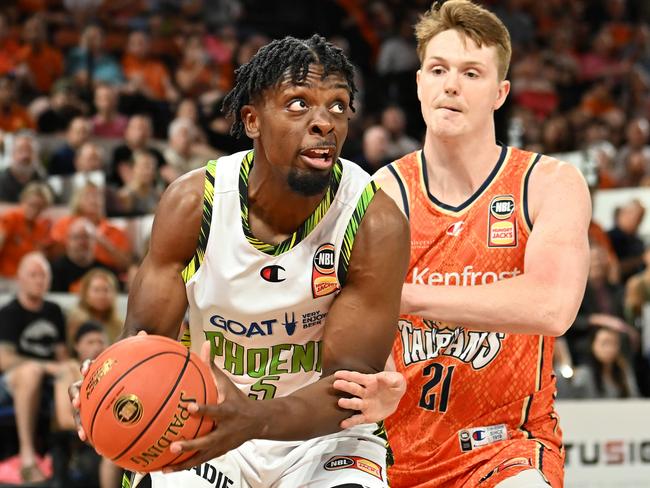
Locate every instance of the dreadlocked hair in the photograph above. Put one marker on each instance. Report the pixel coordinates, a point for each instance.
(270, 64)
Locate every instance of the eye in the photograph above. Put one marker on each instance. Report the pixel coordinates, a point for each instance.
(297, 105)
(472, 74)
(437, 70)
(338, 108)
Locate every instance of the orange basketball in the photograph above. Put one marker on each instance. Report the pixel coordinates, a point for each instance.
(134, 401)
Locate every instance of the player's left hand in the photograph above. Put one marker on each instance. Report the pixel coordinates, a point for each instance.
(376, 395)
(235, 416)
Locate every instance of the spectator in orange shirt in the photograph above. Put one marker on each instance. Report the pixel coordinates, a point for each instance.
(145, 74)
(13, 117)
(112, 248)
(8, 46)
(23, 229)
(42, 64)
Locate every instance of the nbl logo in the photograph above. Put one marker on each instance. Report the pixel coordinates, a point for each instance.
(323, 277)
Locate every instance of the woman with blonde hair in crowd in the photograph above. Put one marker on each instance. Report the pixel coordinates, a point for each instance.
(97, 301)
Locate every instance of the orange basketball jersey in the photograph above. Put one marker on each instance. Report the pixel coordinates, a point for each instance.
(479, 405)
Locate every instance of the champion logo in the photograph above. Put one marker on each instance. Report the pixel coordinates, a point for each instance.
(456, 228)
(272, 273)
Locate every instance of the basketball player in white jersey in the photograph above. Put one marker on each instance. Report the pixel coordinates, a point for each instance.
(292, 264)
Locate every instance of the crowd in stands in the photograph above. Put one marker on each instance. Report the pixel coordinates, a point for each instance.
(104, 103)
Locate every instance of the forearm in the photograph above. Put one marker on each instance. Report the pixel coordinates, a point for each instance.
(518, 305)
(310, 412)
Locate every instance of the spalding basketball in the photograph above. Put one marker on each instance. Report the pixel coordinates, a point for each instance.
(134, 399)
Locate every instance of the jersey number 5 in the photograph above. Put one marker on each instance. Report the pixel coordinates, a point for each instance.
(264, 389)
(430, 390)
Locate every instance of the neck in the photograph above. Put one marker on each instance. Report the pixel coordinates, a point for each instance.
(457, 168)
(30, 302)
(275, 210)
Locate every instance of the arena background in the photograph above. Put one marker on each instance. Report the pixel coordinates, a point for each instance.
(78, 76)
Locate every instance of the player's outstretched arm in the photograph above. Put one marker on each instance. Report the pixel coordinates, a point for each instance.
(358, 336)
(545, 298)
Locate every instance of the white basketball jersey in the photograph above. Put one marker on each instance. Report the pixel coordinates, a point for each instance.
(263, 307)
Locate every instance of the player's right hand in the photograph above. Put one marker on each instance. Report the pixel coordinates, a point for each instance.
(376, 396)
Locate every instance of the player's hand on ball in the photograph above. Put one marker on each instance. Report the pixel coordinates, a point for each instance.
(234, 416)
(73, 393)
(376, 396)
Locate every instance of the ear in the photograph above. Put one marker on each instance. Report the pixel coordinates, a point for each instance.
(250, 119)
(417, 82)
(502, 94)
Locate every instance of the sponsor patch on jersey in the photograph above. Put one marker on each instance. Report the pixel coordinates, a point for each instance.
(323, 276)
(502, 222)
(273, 273)
(354, 462)
(481, 436)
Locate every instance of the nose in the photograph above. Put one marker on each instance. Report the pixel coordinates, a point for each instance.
(321, 124)
(451, 85)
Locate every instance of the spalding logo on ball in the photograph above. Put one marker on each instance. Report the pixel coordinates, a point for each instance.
(135, 398)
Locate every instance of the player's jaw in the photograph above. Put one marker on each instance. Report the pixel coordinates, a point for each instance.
(313, 173)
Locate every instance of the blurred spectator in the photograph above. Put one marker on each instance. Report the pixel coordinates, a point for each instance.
(111, 245)
(89, 165)
(637, 292)
(602, 306)
(8, 46)
(13, 117)
(375, 149)
(108, 122)
(24, 167)
(41, 64)
(23, 229)
(184, 152)
(97, 302)
(399, 144)
(89, 341)
(146, 75)
(79, 257)
(89, 63)
(397, 53)
(196, 76)
(625, 238)
(606, 374)
(62, 161)
(137, 138)
(55, 113)
(141, 194)
(32, 351)
(637, 134)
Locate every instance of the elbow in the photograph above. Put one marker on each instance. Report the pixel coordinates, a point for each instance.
(555, 321)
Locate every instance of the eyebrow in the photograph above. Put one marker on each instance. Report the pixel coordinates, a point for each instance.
(464, 63)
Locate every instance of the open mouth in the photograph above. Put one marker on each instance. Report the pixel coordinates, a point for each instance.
(320, 157)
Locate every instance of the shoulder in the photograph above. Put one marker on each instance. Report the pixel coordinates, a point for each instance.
(51, 308)
(385, 220)
(559, 183)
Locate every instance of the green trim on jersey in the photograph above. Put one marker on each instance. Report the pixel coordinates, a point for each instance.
(352, 228)
(186, 339)
(208, 201)
(305, 228)
(382, 434)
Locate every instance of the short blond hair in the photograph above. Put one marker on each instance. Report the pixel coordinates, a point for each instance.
(474, 21)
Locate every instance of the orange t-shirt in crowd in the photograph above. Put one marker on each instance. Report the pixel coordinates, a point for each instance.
(8, 55)
(20, 238)
(15, 118)
(114, 235)
(45, 64)
(153, 73)
(479, 405)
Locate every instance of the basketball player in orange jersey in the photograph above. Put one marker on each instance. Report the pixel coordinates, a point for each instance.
(292, 263)
(499, 260)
